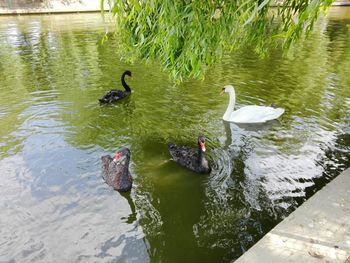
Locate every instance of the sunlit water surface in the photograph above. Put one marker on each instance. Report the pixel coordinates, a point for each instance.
(54, 205)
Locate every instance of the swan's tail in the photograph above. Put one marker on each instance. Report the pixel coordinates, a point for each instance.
(279, 112)
(171, 146)
(274, 115)
(103, 100)
(172, 150)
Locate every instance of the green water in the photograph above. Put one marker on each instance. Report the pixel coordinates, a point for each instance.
(54, 205)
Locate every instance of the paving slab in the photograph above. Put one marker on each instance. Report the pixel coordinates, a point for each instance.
(317, 231)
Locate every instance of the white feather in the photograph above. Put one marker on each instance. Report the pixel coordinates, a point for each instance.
(249, 114)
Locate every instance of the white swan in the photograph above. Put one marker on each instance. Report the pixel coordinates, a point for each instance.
(248, 114)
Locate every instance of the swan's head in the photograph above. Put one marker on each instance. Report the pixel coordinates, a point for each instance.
(127, 72)
(201, 143)
(122, 154)
(228, 89)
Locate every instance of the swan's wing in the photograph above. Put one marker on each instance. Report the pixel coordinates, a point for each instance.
(255, 114)
(106, 160)
(117, 93)
(181, 154)
(112, 95)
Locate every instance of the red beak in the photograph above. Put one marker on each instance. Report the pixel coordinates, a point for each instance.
(117, 157)
(202, 144)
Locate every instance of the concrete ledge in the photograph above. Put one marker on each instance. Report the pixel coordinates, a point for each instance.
(336, 3)
(49, 6)
(45, 11)
(23, 7)
(317, 231)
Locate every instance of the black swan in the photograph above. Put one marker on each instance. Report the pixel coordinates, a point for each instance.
(116, 170)
(192, 159)
(115, 95)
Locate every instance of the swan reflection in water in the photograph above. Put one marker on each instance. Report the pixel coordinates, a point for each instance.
(132, 217)
(234, 130)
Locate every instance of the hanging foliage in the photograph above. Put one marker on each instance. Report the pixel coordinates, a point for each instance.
(188, 35)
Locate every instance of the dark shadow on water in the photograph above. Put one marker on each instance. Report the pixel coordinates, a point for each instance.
(131, 218)
(133, 250)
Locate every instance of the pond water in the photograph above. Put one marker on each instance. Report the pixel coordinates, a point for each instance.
(55, 206)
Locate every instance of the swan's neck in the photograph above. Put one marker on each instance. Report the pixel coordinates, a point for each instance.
(126, 87)
(230, 106)
(203, 165)
(202, 161)
(200, 154)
